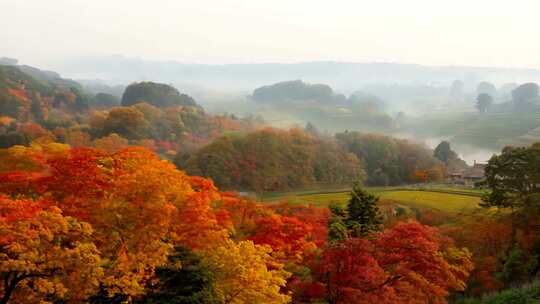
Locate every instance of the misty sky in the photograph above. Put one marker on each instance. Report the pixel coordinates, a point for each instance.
(436, 32)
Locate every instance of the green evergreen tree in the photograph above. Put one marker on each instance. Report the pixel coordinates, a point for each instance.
(444, 153)
(363, 214)
(337, 230)
(516, 268)
(184, 279)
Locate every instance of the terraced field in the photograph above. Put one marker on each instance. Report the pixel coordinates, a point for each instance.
(433, 200)
(443, 199)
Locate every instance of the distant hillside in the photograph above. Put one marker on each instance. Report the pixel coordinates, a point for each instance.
(527, 139)
(12, 77)
(41, 106)
(319, 104)
(343, 76)
(489, 130)
(26, 91)
(49, 78)
(296, 90)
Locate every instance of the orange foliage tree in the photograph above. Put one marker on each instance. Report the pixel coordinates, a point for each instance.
(45, 254)
(489, 236)
(119, 195)
(408, 263)
(108, 219)
(286, 235)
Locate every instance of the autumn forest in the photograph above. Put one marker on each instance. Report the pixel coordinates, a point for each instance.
(269, 152)
(147, 198)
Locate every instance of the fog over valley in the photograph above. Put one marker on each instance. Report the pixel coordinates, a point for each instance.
(269, 152)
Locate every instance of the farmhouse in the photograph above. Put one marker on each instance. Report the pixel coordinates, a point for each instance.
(469, 176)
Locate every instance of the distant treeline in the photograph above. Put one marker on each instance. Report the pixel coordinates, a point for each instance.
(273, 160)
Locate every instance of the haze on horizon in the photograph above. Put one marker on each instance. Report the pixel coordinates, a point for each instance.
(475, 33)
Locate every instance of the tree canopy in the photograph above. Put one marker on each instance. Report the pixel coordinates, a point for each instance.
(514, 178)
(484, 101)
(525, 96)
(157, 94)
(485, 87)
(390, 161)
(293, 90)
(273, 160)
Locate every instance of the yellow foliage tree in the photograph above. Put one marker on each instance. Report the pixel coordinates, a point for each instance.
(246, 273)
(44, 254)
(133, 216)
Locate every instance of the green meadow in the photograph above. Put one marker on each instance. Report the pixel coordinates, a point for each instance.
(442, 199)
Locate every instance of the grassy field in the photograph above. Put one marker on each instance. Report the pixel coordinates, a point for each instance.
(329, 189)
(443, 199)
(433, 200)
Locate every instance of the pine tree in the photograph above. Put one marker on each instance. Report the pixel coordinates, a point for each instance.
(184, 279)
(516, 268)
(363, 214)
(444, 153)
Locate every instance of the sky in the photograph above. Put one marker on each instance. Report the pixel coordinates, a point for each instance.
(459, 32)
